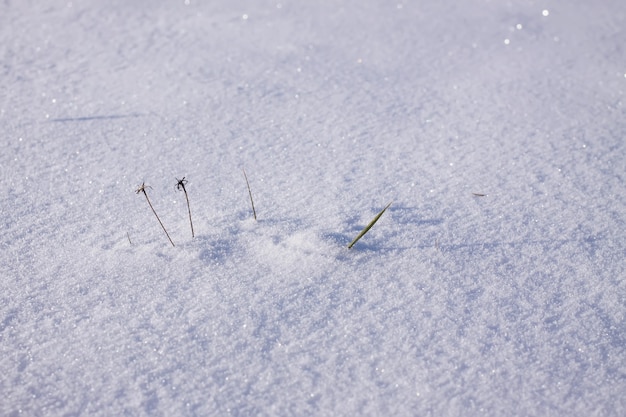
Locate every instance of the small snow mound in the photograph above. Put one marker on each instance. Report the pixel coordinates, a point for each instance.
(301, 251)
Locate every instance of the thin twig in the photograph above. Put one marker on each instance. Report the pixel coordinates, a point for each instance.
(128, 236)
(368, 227)
(181, 184)
(142, 189)
(249, 193)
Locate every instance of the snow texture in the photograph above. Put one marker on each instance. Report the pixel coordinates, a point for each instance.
(511, 302)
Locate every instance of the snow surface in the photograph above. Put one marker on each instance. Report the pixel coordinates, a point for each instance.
(453, 304)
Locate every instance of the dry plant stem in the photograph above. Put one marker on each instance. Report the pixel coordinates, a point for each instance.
(368, 227)
(142, 189)
(249, 193)
(181, 184)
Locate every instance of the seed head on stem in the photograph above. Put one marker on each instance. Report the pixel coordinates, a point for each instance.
(181, 186)
(142, 189)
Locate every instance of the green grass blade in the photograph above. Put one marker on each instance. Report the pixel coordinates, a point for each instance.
(368, 227)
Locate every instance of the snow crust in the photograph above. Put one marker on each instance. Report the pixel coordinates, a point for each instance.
(510, 302)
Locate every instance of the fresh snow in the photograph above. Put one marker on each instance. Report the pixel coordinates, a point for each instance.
(453, 304)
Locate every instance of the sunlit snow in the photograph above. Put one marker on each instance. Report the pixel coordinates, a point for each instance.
(494, 285)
